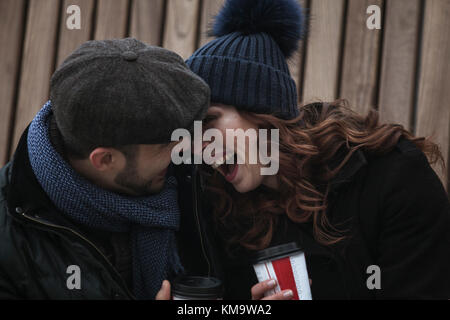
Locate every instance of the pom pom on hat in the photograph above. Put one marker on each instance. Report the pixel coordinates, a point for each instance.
(283, 20)
(246, 65)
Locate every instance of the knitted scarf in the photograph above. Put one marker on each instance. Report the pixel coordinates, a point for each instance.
(152, 221)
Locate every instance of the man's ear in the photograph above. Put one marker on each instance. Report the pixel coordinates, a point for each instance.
(104, 159)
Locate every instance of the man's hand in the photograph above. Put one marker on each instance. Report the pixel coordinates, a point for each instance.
(164, 292)
(259, 289)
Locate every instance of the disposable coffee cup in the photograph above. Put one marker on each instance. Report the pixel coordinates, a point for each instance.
(197, 288)
(287, 265)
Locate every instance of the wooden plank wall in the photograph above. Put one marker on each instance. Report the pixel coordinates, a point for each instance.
(323, 50)
(12, 20)
(433, 110)
(38, 61)
(402, 70)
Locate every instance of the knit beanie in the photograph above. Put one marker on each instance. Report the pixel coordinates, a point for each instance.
(245, 66)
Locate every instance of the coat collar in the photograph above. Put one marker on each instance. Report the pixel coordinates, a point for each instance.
(24, 193)
(357, 161)
(24, 190)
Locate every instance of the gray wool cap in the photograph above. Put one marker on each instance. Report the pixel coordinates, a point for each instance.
(122, 92)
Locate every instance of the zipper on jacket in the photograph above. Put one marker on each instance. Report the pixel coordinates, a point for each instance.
(24, 214)
(195, 195)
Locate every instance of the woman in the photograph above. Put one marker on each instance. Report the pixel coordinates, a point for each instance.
(352, 192)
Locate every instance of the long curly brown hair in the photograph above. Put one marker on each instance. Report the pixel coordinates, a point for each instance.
(307, 144)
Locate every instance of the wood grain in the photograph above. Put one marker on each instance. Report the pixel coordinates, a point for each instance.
(180, 34)
(11, 30)
(147, 18)
(433, 111)
(295, 62)
(323, 51)
(37, 63)
(399, 60)
(69, 40)
(210, 8)
(112, 19)
(361, 54)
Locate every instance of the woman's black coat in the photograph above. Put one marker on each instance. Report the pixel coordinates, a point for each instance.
(397, 214)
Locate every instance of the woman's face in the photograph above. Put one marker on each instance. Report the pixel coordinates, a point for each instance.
(247, 176)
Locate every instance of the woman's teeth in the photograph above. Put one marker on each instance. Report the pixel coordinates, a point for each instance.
(221, 161)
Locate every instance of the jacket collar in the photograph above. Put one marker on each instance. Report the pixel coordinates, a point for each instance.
(24, 190)
(357, 161)
(24, 194)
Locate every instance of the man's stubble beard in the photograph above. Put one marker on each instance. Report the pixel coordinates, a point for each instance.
(134, 185)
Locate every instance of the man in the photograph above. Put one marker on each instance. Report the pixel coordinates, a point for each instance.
(88, 207)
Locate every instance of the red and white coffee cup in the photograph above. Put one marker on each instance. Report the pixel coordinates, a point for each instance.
(287, 265)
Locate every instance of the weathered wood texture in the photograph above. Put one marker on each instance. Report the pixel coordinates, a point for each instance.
(181, 29)
(323, 51)
(111, 19)
(360, 57)
(70, 39)
(209, 10)
(37, 62)
(296, 61)
(147, 19)
(433, 109)
(399, 60)
(12, 13)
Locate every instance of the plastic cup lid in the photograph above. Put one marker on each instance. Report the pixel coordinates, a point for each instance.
(198, 287)
(276, 252)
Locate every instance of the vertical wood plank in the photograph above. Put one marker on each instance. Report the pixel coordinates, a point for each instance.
(323, 50)
(180, 34)
(399, 59)
(111, 19)
(37, 62)
(69, 40)
(361, 53)
(295, 62)
(433, 110)
(11, 30)
(210, 9)
(147, 18)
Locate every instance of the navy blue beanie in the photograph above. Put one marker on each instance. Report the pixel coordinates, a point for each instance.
(245, 66)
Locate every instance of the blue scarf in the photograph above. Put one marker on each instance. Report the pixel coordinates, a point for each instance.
(152, 221)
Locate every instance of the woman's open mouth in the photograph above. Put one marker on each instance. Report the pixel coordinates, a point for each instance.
(229, 171)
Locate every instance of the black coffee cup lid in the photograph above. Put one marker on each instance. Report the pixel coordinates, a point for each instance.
(198, 287)
(276, 252)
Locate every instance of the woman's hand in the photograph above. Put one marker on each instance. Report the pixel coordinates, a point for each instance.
(259, 289)
(164, 292)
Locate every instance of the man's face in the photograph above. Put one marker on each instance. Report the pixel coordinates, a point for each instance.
(145, 170)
